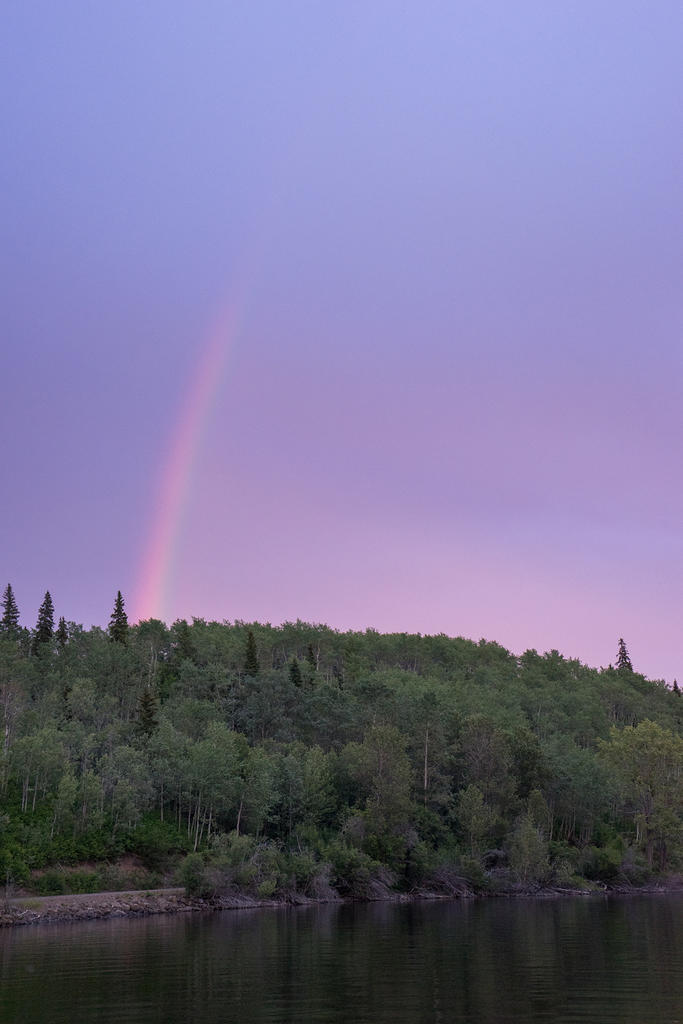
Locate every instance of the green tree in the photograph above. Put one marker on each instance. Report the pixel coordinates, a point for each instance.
(45, 625)
(65, 801)
(251, 663)
(306, 793)
(127, 788)
(528, 851)
(167, 757)
(184, 648)
(10, 613)
(62, 634)
(37, 761)
(648, 764)
(475, 817)
(488, 762)
(258, 792)
(295, 673)
(193, 875)
(118, 623)
(623, 659)
(147, 712)
(381, 767)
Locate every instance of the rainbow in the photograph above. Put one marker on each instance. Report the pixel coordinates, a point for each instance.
(174, 486)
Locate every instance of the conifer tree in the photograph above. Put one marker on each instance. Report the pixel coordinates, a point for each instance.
(185, 648)
(623, 659)
(147, 713)
(118, 623)
(294, 672)
(66, 703)
(45, 625)
(676, 688)
(10, 612)
(310, 658)
(251, 665)
(61, 634)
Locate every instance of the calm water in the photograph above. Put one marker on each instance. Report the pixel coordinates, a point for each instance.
(486, 962)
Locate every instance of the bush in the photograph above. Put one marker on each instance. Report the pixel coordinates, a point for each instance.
(601, 863)
(352, 870)
(301, 869)
(192, 875)
(13, 868)
(473, 873)
(266, 888)
(156, 841)
(59, 881)
(634, 867)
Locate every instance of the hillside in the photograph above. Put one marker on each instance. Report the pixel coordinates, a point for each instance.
(302, 760)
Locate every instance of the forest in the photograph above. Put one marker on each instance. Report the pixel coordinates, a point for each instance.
(299, 761)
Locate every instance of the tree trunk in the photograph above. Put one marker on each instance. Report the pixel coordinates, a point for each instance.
(196, 822)
(426, 767)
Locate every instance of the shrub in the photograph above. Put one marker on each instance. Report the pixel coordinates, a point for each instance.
(352, 870)
(602, 863)
(266, 888)
(156, 841)
(192, 875)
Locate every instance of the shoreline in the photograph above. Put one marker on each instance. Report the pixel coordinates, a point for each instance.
(102, 906)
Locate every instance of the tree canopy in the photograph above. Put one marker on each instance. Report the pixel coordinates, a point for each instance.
(302, 756)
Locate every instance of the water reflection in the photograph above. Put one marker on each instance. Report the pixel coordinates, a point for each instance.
(482, 962)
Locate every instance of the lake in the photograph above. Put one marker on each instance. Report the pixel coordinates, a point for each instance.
(590, 961)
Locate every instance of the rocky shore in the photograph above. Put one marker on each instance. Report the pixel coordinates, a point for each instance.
(25, 910)
(105, 905)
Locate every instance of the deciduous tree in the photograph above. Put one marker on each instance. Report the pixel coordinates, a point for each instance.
(648, 764)
(528, 851)
(475, 817)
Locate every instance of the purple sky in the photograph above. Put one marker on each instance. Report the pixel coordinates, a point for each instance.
(454, 400)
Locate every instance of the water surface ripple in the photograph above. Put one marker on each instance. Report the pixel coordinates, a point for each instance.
(569, 961)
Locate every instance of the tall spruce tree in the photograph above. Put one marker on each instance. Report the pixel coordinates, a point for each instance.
(45, 625)
(623, 659)
(10, 613)
(295, 672)
(61, 634)
(251, 665)
(118, 623)
(147, 713)
(311, 658)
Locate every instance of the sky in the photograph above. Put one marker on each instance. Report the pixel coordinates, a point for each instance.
(364, 313)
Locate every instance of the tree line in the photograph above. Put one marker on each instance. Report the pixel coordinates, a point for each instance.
(303, 759)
